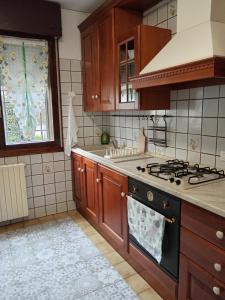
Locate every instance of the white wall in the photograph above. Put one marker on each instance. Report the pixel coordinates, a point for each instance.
(69, 44)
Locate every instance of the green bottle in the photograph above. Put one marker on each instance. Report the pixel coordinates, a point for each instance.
(105, 138)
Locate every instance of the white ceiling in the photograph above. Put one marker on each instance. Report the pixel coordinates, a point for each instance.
(80, 5)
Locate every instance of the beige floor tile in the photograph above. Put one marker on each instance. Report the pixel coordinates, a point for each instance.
(31, 222)
(46, 219)
(137, 283)
(3, 229)
(125, 269)
(89, 231)
(114, 258)
(15, 226)
(83, 224)
(97, 238)
(72, 213)
(149, 294)
(62, 215)
(104, 247)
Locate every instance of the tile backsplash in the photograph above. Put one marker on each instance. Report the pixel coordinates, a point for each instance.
(196, 120)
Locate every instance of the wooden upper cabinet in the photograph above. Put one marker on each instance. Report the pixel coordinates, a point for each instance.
(135, 49)
(106, 63)
(113, 188)
(90, 68)
(98, 42)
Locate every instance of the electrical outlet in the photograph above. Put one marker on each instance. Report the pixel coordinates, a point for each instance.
(222, 155)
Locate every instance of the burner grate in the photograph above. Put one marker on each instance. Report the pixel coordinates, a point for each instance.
(181, 169)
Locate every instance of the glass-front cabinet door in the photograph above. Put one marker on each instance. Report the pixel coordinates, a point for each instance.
(127, 95)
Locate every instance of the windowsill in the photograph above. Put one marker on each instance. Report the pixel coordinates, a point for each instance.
(30, 150)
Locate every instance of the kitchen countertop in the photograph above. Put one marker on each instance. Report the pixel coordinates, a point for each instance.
(210, 196)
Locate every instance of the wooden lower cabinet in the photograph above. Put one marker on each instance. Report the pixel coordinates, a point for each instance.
(112, 191)
(90, 189)
(100, 195)
(202, 258)
(196, 283)
(77, 164)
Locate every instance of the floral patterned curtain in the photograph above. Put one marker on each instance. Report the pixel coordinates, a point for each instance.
(24, 80)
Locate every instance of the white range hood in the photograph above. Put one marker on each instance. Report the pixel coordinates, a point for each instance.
(195, 53)
(200, 35)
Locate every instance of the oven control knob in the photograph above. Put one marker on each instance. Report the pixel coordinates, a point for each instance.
(138, 168)
(134, 189)
(178, 182)
(165, 204)
(150, 196)
(142, 170)
(171, 180)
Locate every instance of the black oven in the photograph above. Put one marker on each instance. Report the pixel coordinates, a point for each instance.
(169, 206)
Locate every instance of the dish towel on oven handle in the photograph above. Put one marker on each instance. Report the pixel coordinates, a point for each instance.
(147, 227)
(72, 130)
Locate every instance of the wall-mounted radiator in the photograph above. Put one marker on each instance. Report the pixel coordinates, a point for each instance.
(13, 194)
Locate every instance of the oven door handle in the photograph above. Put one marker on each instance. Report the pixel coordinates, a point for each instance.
(168, 220)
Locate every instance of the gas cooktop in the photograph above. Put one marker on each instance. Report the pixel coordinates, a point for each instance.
(181, 173)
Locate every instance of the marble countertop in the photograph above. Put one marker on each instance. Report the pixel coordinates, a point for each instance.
(210, 196)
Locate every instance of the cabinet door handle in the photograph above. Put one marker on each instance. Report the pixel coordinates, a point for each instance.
(216, 290)
(78, 169)
(219, 234)
(96, 97)
(98, 180)
(217, 267)
(123, 194)
(93, 97)
(82, 170)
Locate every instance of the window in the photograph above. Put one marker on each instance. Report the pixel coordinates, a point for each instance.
(28, 93)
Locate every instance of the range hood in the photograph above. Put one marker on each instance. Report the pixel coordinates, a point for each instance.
(196, 52)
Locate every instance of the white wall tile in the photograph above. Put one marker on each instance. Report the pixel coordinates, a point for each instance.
(209, 126)
(208, 145)
(210, 108)
(211, 91)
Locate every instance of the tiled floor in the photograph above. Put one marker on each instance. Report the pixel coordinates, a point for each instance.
(137, 283)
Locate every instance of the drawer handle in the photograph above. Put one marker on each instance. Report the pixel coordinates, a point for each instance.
(216, 290)
(123, 194)
(217, 267)
(219, 234)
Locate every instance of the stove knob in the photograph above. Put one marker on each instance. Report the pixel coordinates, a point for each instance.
(178, 182)
(138, 168)
(134, 189)
(171, 180)
(142, 170)
(165, 204)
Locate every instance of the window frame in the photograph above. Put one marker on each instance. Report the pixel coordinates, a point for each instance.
(40, 147)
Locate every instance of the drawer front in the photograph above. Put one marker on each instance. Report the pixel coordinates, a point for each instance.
(205, 254)
(197, 284)
(205, 224)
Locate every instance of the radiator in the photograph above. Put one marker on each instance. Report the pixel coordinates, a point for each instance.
(13, 194)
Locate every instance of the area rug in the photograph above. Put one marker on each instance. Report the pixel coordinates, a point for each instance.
(56, 260)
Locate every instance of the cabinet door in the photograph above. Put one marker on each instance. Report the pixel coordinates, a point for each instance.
(106, 63)
(90, 68)
(90, 189)
(195, 283)
(112, 190)
(77, 178)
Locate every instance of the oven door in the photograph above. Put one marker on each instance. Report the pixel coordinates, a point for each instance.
(170, 244)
